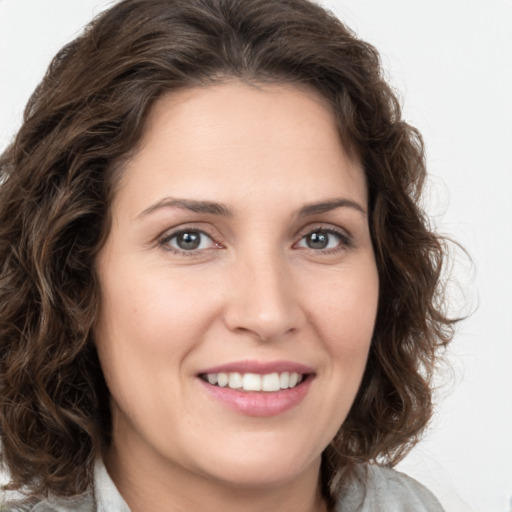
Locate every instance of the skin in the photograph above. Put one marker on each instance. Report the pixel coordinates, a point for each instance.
(255, 289)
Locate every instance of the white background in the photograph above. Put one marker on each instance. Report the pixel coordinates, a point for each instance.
(451, 61)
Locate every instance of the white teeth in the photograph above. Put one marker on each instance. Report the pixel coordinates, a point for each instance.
(269, 382)
(294, 377)
(235, 381)
(252, 382)
(222, 379)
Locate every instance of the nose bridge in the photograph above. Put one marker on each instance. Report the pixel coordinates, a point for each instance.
(263, 303)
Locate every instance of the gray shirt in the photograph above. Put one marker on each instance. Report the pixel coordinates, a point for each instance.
(375, 489)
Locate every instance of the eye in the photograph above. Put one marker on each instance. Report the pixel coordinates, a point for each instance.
(188, 240)
(324, 239)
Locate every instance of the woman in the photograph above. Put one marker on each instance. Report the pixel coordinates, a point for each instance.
(218, 290)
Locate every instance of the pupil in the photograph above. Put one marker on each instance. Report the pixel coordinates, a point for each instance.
(318, 240)
(189, 241)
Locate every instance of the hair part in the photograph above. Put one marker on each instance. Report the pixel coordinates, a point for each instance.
(59, 177)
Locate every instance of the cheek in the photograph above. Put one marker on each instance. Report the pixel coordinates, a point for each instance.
(345, 310)
(154, 311)
(147, 327)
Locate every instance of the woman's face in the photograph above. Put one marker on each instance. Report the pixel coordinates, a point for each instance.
(239, 287)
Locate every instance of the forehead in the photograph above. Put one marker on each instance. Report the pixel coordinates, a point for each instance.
(236, 140)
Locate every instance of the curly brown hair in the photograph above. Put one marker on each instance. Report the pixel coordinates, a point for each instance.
(58, 180)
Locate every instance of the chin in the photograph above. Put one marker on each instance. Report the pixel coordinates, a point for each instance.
(260, 468)
(260, 477)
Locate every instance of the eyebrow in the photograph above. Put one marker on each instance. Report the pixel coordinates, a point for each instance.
(214, 208)
(208, 207)
(329, 205)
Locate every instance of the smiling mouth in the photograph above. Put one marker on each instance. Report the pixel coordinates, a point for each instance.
(269, 382)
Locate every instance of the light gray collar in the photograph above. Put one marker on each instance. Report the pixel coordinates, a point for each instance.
(106, 494)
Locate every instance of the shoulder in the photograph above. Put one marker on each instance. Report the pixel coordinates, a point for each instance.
(102, 496)
(388, 481)
(83, 503)
(380, 489)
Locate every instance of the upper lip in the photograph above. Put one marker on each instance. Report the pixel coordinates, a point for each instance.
(259, 367)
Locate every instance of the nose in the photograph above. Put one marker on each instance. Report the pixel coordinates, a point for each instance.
(263, 302)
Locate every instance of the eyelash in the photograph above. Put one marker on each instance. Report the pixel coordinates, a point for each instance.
(165, 240)
(345, 241)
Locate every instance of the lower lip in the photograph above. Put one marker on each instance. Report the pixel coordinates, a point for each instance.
(260, 403)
